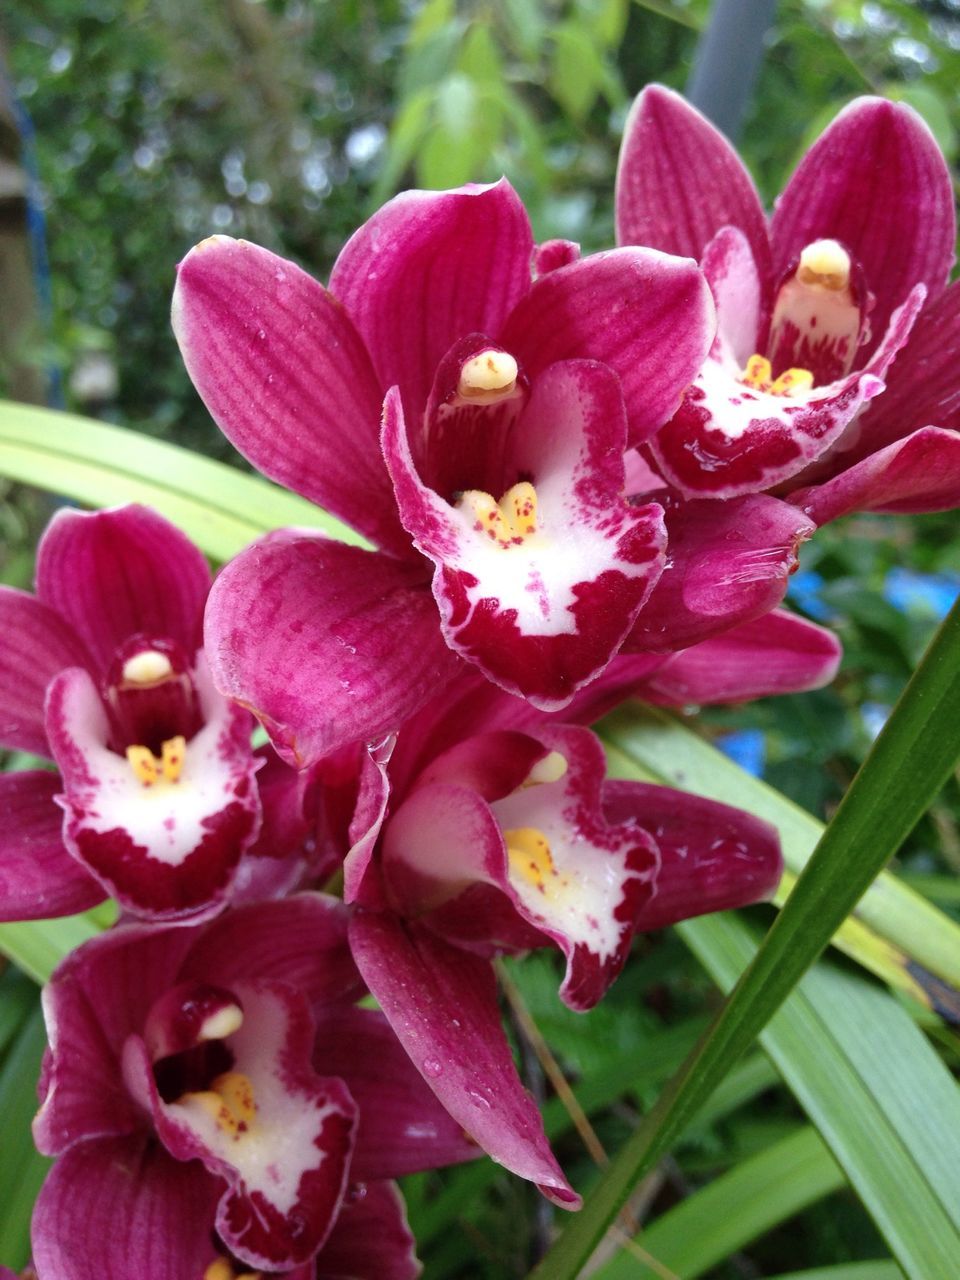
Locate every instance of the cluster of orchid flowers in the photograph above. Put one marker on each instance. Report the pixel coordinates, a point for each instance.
(584, 480)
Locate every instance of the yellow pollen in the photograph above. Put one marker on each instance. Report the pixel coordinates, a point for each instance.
(221, 1269)
(825, 263)
(550, 769)
(509, 521)
(759, 376)
(149, 667)
(489, 376)
(530, 858)
(168, 768)
(230, 1102)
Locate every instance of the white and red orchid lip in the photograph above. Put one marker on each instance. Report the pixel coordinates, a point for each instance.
(163, 835)
(540, 587)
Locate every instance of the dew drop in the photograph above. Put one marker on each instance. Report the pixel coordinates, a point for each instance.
(432, 1068)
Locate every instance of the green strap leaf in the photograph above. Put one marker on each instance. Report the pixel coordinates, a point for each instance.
(220, 508)
(872, 1084)
(22, 1169)
(905, 769)
(36, 947)
(751, 1199)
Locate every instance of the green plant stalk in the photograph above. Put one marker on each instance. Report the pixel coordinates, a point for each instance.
(909, 762)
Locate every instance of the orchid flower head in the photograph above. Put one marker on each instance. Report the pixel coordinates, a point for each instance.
(495, 491)
(814, 306)
(103, 672)
(214, 1098)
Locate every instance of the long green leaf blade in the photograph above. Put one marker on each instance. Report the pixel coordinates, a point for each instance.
(22, 1170)
(727, 1214)
(870, 1081)
(905, 769)
(221, 508)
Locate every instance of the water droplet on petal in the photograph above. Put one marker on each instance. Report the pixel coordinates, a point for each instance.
(432, 1068)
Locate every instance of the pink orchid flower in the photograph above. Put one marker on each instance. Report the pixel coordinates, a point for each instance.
(813, 309)
(498, 474)
(489, 828)
(221, 1079)
(103, 671)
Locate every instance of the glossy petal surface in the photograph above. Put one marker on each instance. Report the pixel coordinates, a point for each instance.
(428, 268)
(919, 473)
(326, 643)
(728, 439)
(38, 877)
(679, 181)
(650, 317)
(370, 1237)
(442, 1004)
(286, 377)
(729, 563)
(402, 1127)
(774, 654)
(37, 644)
(115, 573)
(121, 1207)
(712, 857)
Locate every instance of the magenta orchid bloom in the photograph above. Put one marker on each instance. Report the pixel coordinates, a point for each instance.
(103, 671)
(812, 310)
(500, 461)
(221, 1078)
(490, 829)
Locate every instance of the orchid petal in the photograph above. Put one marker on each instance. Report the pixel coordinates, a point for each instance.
(679, 181)
(113, 574)
(38, 877)
(326, 643)
(37, 644)
(712, 856)
(120, 1207)
(774, 654)
(165, 849)
(442, 1004)
(402, 1127)
(737, 290)
(428, 268)
(876, 181)
(286, 377)
(729, 439)
(373, 796)
(729, 563)
(922, 386)
(919, 473)
(94, 998)
(554, 253)
(301, 940)
(370, 1237)
(649, 316)
(542, 614)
